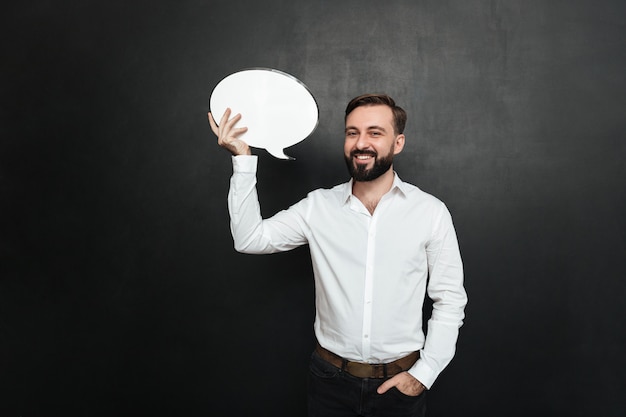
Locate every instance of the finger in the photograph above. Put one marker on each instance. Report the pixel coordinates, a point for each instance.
(225, 116)
(214, 127)
(239, 131)
(228, 133)
(228, 136)
(232, 122)
(384, 387)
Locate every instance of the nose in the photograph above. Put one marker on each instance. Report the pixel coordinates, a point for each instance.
(362, 142)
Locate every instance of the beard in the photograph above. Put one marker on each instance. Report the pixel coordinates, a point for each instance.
(360, 172)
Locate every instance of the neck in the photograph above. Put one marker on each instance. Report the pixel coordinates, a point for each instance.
(370, 192)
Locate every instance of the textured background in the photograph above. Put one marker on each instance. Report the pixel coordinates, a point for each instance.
(120, 293)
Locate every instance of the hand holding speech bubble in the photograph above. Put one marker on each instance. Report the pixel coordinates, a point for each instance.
(278, 109)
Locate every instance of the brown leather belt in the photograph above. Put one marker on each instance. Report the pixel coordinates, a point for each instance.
(366, 370)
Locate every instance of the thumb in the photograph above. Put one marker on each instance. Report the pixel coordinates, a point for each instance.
(384, 387)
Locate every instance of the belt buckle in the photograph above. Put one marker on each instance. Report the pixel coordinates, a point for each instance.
(360, 370)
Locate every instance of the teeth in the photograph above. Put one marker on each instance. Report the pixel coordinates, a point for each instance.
(363, 156)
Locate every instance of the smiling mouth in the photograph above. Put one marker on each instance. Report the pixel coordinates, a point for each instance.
(363, 157)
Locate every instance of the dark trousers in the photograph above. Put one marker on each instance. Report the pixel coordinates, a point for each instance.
(335, 393)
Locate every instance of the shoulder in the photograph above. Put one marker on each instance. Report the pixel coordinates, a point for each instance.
(321, 200)
(415, 194)
(339, 191)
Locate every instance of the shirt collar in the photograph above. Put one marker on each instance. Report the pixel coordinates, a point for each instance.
(398, 185)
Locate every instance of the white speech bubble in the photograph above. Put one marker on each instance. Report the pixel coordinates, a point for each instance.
(278, 109)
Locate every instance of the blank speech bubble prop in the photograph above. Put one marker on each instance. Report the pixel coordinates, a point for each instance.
(278, 109)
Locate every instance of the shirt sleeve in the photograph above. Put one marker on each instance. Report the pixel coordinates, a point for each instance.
(251, 233)
(445, 288)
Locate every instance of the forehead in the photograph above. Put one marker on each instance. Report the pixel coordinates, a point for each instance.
(372, 115)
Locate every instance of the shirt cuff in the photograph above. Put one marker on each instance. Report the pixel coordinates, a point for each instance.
(422, 372)
(244, 163)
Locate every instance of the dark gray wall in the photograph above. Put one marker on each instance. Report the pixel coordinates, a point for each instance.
(120, 293)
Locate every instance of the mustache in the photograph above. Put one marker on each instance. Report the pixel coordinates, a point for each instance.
(355, 153)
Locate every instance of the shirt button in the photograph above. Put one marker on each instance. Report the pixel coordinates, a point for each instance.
(365, 336)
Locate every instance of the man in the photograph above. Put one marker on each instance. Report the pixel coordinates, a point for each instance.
(377, 246)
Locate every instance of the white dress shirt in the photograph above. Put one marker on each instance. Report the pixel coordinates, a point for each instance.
(371, 270)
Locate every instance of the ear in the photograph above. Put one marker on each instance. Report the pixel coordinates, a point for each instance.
(398, 144)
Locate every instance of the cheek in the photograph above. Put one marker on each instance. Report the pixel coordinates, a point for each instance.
(347, 147)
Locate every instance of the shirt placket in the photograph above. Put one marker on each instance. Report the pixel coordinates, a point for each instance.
(368, 287)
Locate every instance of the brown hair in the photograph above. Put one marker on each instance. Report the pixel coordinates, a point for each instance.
(399, 115)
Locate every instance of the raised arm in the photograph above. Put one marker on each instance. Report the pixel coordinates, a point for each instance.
(251, 233)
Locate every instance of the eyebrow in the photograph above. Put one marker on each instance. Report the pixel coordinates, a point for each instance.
(375, 127)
